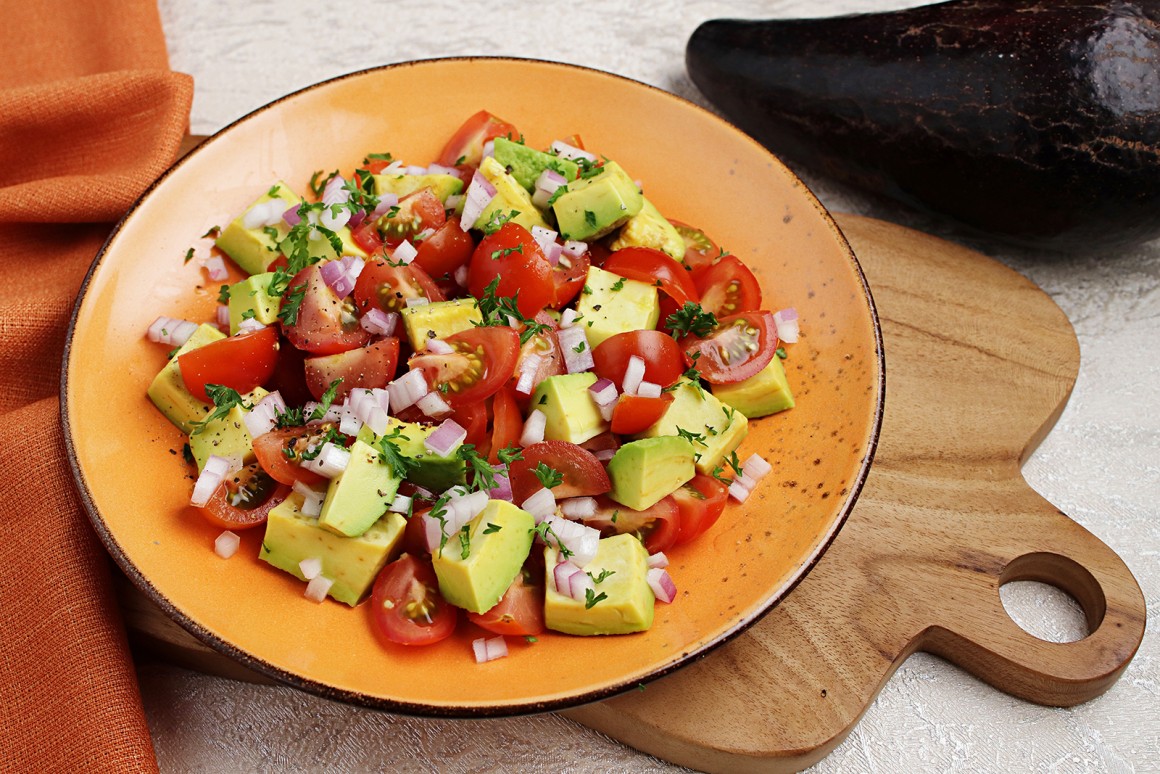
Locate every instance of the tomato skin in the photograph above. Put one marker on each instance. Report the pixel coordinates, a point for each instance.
(406, 607)
(370, 366)
(493, 348)
(270, 449)
(220, 512)
(384, 285)
(654, 267)
(656, 526)
(519, 264)
(583, 473)
(519, 612)
(446, 250)
(289, 377)
(733, 335)
(326, 324)
(240, 362)
(466, 145)
(700, 250)
(635, 414)
(367, 236)
(472, 417)
(546, 345)
(727, 287)
(569, 280)
(663, 362)
(700, 502)
(417, 212)
(507, 422)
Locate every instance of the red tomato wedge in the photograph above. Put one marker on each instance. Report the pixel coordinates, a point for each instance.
(654, 267)
(512, 255)
(406, 607)
(280, 451)
(663, 362)
(569, 275)
(519, 612)
(583, 474)
(387, 286)
(370, 366)
(244, 499)
(738, 348)
(700, 250)
(240, 362)
(700, 502)
(545, 345)
(635, 414)
(324, 324)
(415, 213)
(507, 422)
(445, 251)
(466, 146)
(483, 360)
(655, 526)
(727, 287)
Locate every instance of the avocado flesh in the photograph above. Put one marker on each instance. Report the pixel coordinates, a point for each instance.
(722, 428)
(628, 603)
(358, 496)
(766, 392)
(509, 197)
(499, 540)
(610, 304)
(167, 391)
(648, 228)
(251, 299)
(594, 206)
(527, 164)
(443, 186)
(439, 320)
(352, 563)
(433, 472)
(571, 413)
(226, 436)
(645, 471)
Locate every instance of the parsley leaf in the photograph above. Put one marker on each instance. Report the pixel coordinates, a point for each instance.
(491, 528)
(690, 319)
(482, 473)
(224, 399)
(548, 477)
(291, 303)
(391, 456)
(591, 598)
(510, 454)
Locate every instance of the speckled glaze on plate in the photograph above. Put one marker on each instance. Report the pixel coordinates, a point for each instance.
(693, 166)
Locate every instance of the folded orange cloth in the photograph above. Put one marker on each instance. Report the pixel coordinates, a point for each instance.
(89, 115)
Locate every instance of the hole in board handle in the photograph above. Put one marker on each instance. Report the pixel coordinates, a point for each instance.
(1052, 597)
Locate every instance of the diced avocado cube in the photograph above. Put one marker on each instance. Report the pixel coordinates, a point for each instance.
(509, 197)
(251, 298)
(168, 391)
(439, 320)
(474, 574)
(226, 436)
(648, 228)
(442, 186)
(627, 604)
(695, 410)
(527, 164)
(254, 249)
(594, 206)
(358, 496)
(766, 392)
(610, 304)
(352, 563)
(645, 471)
(434, 472)
(571, 413)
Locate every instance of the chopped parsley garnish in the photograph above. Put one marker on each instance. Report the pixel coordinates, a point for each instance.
(590, 218)
(500, 310)
(556, 195)
(780, 352)
(618, 285)
(548, 477)
(330, 436)
(392, 457)
(248, 314)
(491, 528)
(579, 347)
(316, 186)
(598, 579)
(296, 247)
(188, 255)
(588, 168)
(224, 399)
(691, 437)
(510, 454)
(274, 189)
(482, 473)
(690, 319)
(378, 157)
(497, 219)
(591, 598)
(213, 233)
(224, 294)
(187, 453)
(465, 541)
(528, 638)
(506, 251)
(291, 303)
(719, 474)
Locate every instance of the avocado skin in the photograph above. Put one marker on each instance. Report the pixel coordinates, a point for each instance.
(1038, 122)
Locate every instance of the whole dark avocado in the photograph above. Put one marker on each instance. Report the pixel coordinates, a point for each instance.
(1032, 120)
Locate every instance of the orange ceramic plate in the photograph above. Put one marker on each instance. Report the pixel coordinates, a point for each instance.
(694, 167)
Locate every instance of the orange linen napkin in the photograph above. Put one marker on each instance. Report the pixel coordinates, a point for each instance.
(89, 115)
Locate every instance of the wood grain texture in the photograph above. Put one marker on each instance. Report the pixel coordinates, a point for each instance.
(979, 364)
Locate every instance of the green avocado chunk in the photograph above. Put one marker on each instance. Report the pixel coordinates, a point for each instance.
(571, 413)
(432, 471)
(766, 392)
(251, 298)
(352, 563)
(610, 304)
(627, 602)
(645, 471)
(439, 320)
(593, 206)
(226, 436)
(475, 572)
(648, 228)
(509, 197)
(527, 164)
(167, 391)
(720, 429)
(442, 186)
(358, 496)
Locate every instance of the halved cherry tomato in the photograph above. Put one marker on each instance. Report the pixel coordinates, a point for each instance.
(325, 323)
(279, 453)
(656, 526)
(366, 235)
(406, 607)
(483, 360)
(583, 474)
(388, 286)
(569, 275)
(244, 499)
(466, 146)
(472, 417)
(546, 346)
(654, 267)
(446, 250)
(700, 250)
(240, 362)
(739, 347)
(663, 364)
(727, 287)
(370, 366)
(603, 442)
(507, 422)
(635, 414)
(289, 377)
(416, 212)
(512, 255)
(519, 612)
(700, 503)
(415, 534)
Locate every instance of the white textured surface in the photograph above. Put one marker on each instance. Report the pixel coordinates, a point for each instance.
(1101, 463)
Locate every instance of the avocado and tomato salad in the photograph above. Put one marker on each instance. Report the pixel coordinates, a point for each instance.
(495, 388)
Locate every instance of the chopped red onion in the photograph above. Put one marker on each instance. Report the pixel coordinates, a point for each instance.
(568, 579)
(311, 499)
(222, 316)
(464, 506)
(489, 649)
(256, 216)
(479, 194)
(386, 202)
(418, 301)
(407, 389)
(216, 268)
(433, 405)
(170, 331)
(555, 255)
(426, 233)
(575, 248)
(461, 276)
(440, 169)
(394, 169)
(451, 203)
(341, 275)
(571, 152)
(379, 323)
(746, 480)
(503, 485)
(401, 504)
(658, 560)
(318, 588)
(662, 585)
(578, 507)
(603, 392)
(330, 462)
(415, 169)
(534, 427)
(432, 532)
(568, 318)
(545, 237)
(446, 439)
(580, 541)
(738, 491)
(439, 347)
(212, 474)
(527, 378)
(633, 374)
(648, 389)
(405, 252)
(562, 260)
(249, 325)
(604, 455)
(291, 217)
(311, 567)
(756, 467)
(226, 544)
(541, 504)
(549, 180)
(577, 351)
(788, 328)
(261, 419)
(540, 198)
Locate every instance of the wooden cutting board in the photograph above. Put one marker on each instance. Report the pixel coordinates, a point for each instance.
(979, 364)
